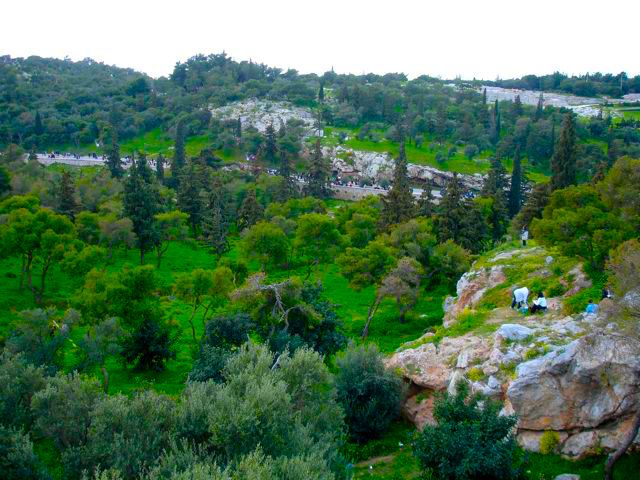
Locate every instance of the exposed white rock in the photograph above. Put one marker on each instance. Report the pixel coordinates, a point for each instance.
(515, 332)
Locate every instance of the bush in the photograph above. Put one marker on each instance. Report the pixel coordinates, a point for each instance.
(19, 381)
(17, 460)
(209, 364)
(470, 151)
(149, 346)
(549, 441)
(440, 157)
(370, 395)
(62, 411)
(126, 434)
(469, 441)
(228, 331)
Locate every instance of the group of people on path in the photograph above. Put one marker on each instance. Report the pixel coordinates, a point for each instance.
(520, 302)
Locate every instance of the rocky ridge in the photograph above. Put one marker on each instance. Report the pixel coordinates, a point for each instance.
(572, 374)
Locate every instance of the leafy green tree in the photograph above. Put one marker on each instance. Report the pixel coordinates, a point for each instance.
(149, 346)
(39, 336)
(88, 227)
(515, 188)
(116, 232)
(563, 161)
(620, 189)
(367, 266)
(402, 284)
(317, 239)
(370, 395)
(470, 441)
(447, 264)
(171, 226)
(287, 188)
(250, 211)
(267, 243)
(398, 204)
(203, 289)
(426, 205)
(319, 172)
(100, 342)
(66, 196)
(141, 204)
(579, 224)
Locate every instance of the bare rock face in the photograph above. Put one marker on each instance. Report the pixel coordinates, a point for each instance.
(580, 280)
(587, 389)
(470, 289)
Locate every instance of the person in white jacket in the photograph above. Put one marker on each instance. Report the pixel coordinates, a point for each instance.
(520, 296)
(524, 236)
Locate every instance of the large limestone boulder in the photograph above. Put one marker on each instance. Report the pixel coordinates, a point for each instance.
(588, 389)
(470, 289)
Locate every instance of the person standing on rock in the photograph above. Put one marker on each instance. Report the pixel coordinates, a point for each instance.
(524, 236)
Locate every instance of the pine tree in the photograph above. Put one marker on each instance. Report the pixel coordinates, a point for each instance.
(141, 203)
(282, 131)
(398, 205)
(214, 225)
(426, 206)
(250, 211)
(563, 161)
(238, 129)
(114, 162)
(319, 171)
(495, 137)
(449, 221)
(515, 189)
(189, 198)
(484, 96)
(496, 179)
(67, 204)
(287, 188)
(540, 107)
(178, 155)
(321, 92)
(160, 169)
(517, 107)
(38, 128)
(270, 144)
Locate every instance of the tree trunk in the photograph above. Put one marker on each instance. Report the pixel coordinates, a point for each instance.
(141, 256)
(22, 270)
(193, 327)
(105, 379)
(372, 311)
(615, 456)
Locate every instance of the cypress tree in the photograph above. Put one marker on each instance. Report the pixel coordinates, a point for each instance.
(160, 169)
(141, 203)
(189, 198)
(563, 161)
(238, 128)
(319, 171)
(484, 96)
(178, 155)
(494, 188)
(214, 226)
(449, 221)
(270, 144)
(38, 128)
(398, 205)
(321, 92)
(426, 206)
(250, 211)
(287, 188)
(515, 189)
(540, 107)
(114, 162)
(496, 179)
(67, 204)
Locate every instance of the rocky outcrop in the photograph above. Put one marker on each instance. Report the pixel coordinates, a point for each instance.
(378, 166)
(470, 289)
(588, 390)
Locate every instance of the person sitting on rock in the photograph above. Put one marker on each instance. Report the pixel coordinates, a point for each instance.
(592, 307)
(520, 296)
(539, 304)
(606, 293)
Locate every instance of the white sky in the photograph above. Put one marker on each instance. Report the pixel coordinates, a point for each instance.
(473, 38)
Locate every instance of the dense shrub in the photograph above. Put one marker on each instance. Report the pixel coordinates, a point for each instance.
(17, 460)
(149, 346)
(470, 441)
(370, 395)
(228, 331)
(62, 410)
(549, 441)
(19, 381)
(209, 364)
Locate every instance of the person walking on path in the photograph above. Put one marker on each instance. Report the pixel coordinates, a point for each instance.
(524, 236)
